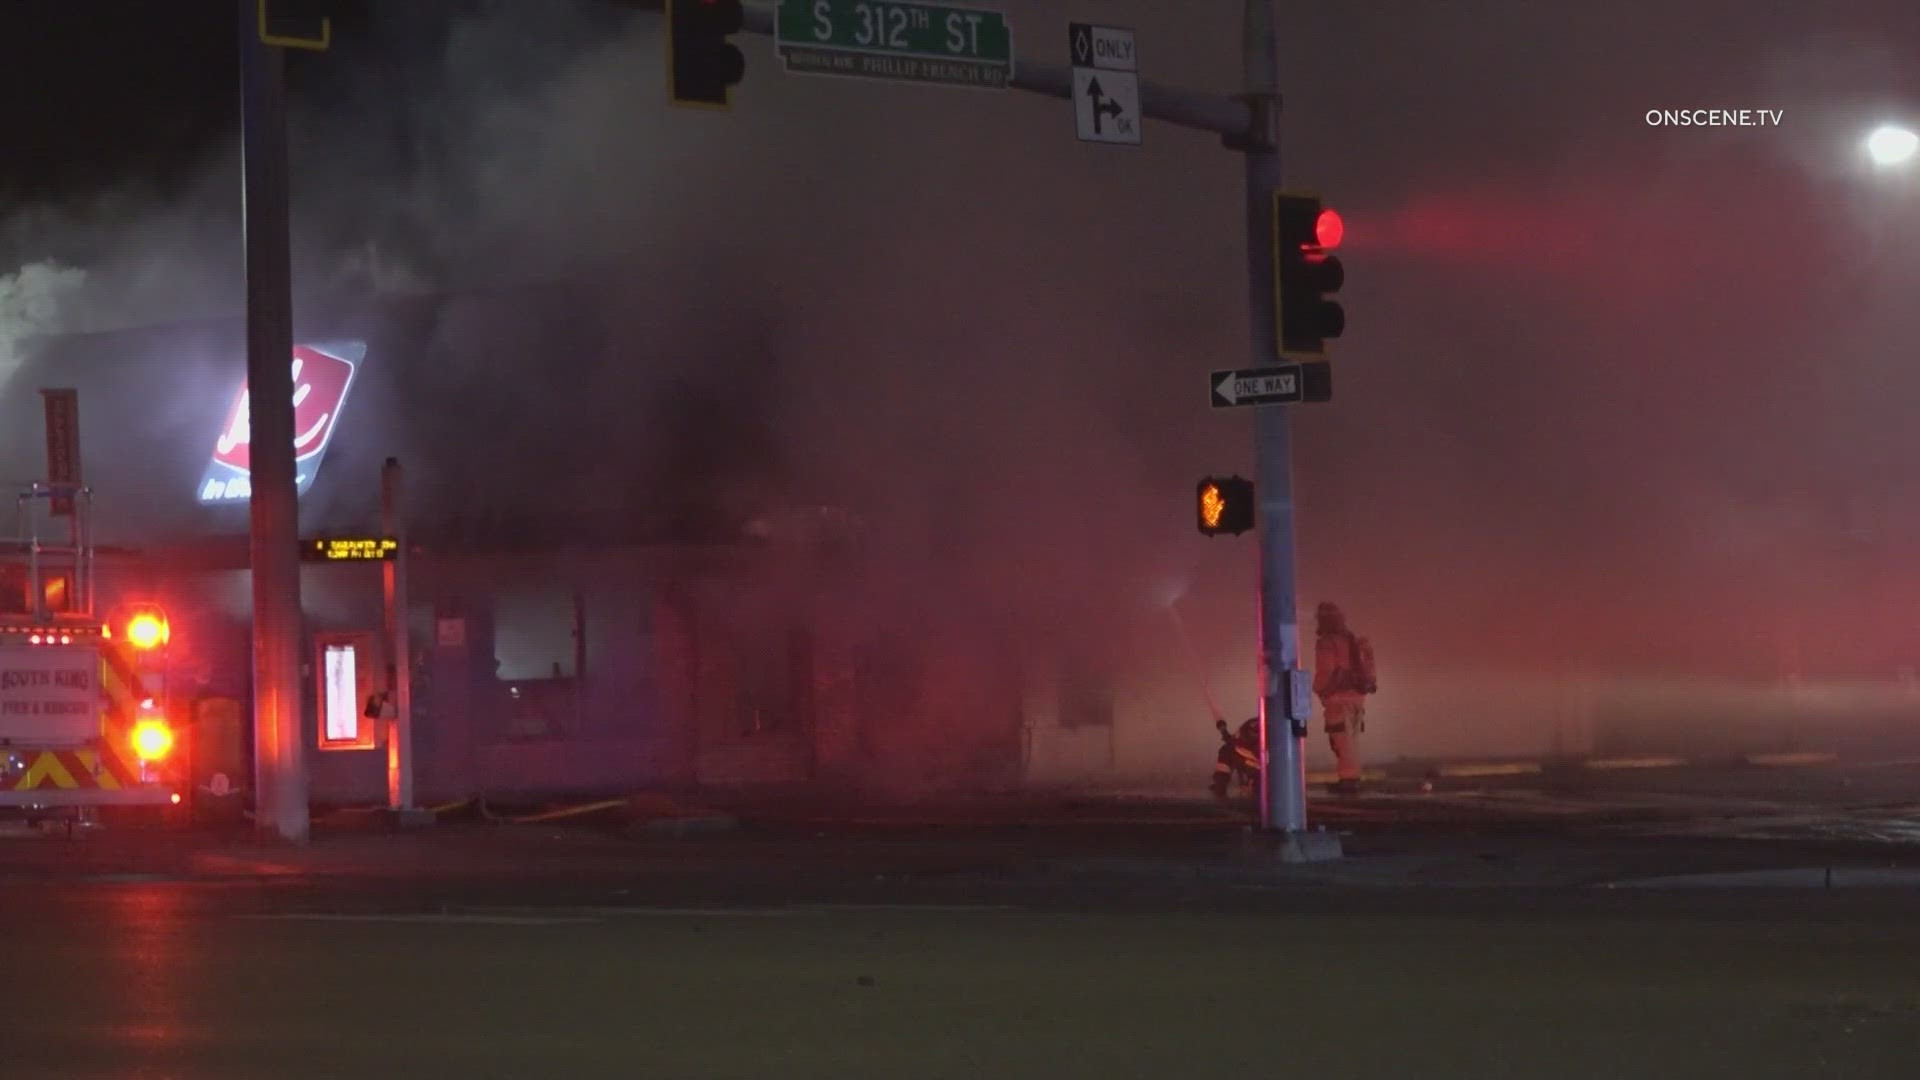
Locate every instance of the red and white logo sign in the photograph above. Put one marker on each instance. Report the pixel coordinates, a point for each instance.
(319, 389)
(321, 378)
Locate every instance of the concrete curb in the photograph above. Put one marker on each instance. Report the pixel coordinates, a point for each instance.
(689, 825)
(652, 812)
(1417, 770)
(1808, 877)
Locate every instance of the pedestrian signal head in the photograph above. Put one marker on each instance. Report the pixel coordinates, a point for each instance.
(1225, 505)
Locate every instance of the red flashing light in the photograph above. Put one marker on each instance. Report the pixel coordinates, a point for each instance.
(1329, 230)
(147, 630)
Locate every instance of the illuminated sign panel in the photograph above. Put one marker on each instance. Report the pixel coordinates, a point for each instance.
(351, 549)
(322, 375)
(341, 693)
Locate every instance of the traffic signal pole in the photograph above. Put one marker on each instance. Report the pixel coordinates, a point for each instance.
(1283, 734)
(279, 766)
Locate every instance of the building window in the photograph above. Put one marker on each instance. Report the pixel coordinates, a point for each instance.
(56, 591)
(13, 590)
(347, 696)
(1086, 699)
(537, 635)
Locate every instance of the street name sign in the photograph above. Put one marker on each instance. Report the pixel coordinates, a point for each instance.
(1279, 384)
(880, 39)
(1106, 84)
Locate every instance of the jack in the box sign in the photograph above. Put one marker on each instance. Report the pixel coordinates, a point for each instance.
(322, 375)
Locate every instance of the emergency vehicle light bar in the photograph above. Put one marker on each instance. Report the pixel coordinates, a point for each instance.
(54, 633)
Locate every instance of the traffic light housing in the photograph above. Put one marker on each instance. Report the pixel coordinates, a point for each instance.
(702, 65)
(1306, 274)
(297, 24)
(1224, 504)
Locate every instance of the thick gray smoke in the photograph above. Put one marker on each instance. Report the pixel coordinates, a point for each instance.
(926, 304)
(30, 305)
(1588, 418)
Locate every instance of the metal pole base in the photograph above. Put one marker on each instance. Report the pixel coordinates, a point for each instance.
(287, 823)
(413, 818)
(1297, 846)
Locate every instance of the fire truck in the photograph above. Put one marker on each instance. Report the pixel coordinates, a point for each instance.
(84, 722)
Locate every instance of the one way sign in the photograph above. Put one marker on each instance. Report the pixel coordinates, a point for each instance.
(1106, 84)
(1281, 384)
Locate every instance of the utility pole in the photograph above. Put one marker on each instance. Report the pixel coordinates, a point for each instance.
(279, 765)
(400, 658)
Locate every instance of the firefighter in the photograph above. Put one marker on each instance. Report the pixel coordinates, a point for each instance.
(1343, 677)
(1239, 754)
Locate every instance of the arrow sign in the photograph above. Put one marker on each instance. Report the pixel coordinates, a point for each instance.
(1103, 106)
(1281, 384)
(1256, 386)
(1105, 84)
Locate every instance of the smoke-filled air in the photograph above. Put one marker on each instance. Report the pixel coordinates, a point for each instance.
(1619, 453)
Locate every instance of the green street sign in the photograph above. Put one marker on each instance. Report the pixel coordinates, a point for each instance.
(880, 39)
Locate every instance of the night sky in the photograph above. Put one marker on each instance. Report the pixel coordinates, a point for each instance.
(103, 93)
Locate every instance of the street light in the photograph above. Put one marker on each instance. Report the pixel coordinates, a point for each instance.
(1890, 145)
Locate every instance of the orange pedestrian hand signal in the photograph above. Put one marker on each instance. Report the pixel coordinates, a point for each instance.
(1211, 506)
(1225, 505)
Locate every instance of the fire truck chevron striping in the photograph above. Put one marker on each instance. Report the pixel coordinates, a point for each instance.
(122, 686)
(73, 770)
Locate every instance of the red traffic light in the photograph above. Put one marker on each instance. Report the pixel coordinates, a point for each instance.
(1306, 273)
(1329, 230)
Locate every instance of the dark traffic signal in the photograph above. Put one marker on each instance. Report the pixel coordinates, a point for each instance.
(1225, 505)
(1306, 274)
(296, 24)
(702, 65)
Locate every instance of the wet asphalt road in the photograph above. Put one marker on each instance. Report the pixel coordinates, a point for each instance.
(174, 979)
(1098, 939)
(1867, 804)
